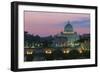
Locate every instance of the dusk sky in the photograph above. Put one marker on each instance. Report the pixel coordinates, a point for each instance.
(51, 23)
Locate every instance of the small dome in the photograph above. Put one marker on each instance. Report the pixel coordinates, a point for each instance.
(68, 27)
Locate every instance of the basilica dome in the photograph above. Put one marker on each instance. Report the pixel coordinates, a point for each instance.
(68, 27)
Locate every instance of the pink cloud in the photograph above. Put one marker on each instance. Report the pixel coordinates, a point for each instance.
(43, 22)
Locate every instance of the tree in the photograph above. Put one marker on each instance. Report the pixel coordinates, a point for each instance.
(28, 38)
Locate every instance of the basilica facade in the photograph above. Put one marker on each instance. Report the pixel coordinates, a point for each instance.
(64, 45)
(67, 37)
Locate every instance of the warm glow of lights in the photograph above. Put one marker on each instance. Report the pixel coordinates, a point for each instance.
(66, 50)
(48, 51)
(80, 51)
(29, 52)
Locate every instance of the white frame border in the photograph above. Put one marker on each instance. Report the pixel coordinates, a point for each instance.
(22, 64)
